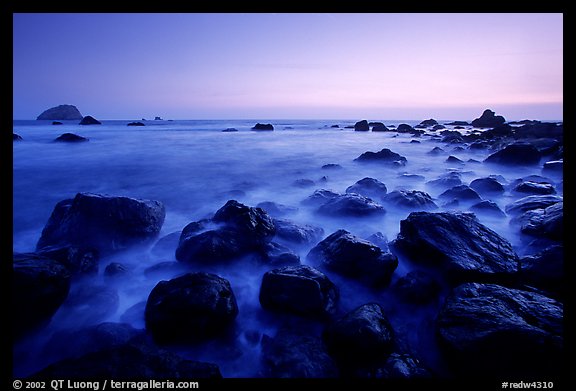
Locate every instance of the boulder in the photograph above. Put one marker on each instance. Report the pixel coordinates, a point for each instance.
(277, 255)
(436, 151)
(490, 329)
(361, 337)
(554, 166)
(403, 366)
(320, 197)
(527, 203)
(16, 137)
(383, 156)
(70, 138)
(105, 223)
(410, 199)
(275, 209)
(39, 287)
(461, 193)
(405, 128)
(191, 307)
(362, 126)
(302, 290)
(488, 119)
(487, 186)
(428, 122)
(332, 166)
(295, 354)
(260, 126)
(229, 130)
(487, 207)
(519, 153)
(78, 260)
(89, 120)
(368, 187)
(448, 180)
(531, 187)
(545, 223)
(62, 112)
(353, 257)
(379, 127)
(57, 123)
(459, 244)
(351, 205)
(135, 124)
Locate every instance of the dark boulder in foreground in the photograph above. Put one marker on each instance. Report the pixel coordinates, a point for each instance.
(362, 126)
(490, 330)
(546, 223)
(89, 120)
(301, 290)
(519, 153)
(102, 222)
(532, 202)
(487, 186)
(458, 243)
(346, 254)
(39, 287)
(240, 230)
(361, 337)
(190, 307)
(62, 112)
(532, 187)
(351, 205)
(70, 138)
(260, 126)
(78, 260)
(368, 187)
(129, 362)
(295, 354)
(488, 119)
(16, 137)
(383, 156)
(411, 199)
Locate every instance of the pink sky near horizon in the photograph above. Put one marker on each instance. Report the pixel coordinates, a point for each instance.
(336, 66)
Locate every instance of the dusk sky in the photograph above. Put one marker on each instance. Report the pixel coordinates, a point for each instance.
(290, 66)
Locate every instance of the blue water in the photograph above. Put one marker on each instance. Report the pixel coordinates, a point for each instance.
(194, 168)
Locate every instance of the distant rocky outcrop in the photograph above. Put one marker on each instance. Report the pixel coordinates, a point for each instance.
(89, 120)
(362, 126)
(488, 119)
(260, 126)
(62, 112)
(70, 138)
(136, 124)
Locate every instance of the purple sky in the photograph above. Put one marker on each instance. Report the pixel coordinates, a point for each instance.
(324, 66)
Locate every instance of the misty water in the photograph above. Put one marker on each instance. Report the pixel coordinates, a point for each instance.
(194, 168)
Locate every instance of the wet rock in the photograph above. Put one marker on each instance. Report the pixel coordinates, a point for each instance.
(436, 151)
(362, 126)
(545, 270)
(379, 127)
(539, 129)
(448, 180)
(531, 202)
(89, 120)
(229, 130)
(410, 199)
(490, 329)
(332, 166)
(403, 366)
(16, 137)
(361, 337)
(301, 290)
(487, 207)
(351, 256)
(554, 166)
(461, 193)
(294, 354)
(254, 223)
(277, 255)
(368, 187)
(105, 223)
(454, 159)
(297, 233)
(351, 205)
(534, 188)
(320, 197)
(129, 362)
(260, 126)
(488, 119)
(459, 244)
(487, 186)
(428, 122)
(383, 156)
(70, 138)
(519, 153)
(405, 128)
(417, 287)
(78, 260)
(191, 307)
(39, 287)
(547, 223)
(135, 124)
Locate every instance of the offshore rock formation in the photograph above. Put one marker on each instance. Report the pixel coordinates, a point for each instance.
(62, 112)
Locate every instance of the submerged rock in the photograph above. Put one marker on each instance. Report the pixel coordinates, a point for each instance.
(490, 329)
(62, 112)
(16, 137)
(260, 126)
(368, 187)
(191, 307)
(89, 120)
(301, 290)
(461, 193)
(547, 223)
(532, 202)
(417, 287)
(383, 156)
(70, 138)
(102, 222)
(410, 199)
(297, 233)
(351, 205)
(320, 197)
(346, 254)
(519, 153)
(487, 186)
(531, 187)
(459, 244)
(78, 260)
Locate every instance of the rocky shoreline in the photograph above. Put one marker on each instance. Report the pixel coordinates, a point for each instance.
(498, 313)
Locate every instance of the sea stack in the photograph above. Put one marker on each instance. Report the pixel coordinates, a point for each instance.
(62, 112)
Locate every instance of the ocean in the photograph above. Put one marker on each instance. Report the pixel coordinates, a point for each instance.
(194, 168)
